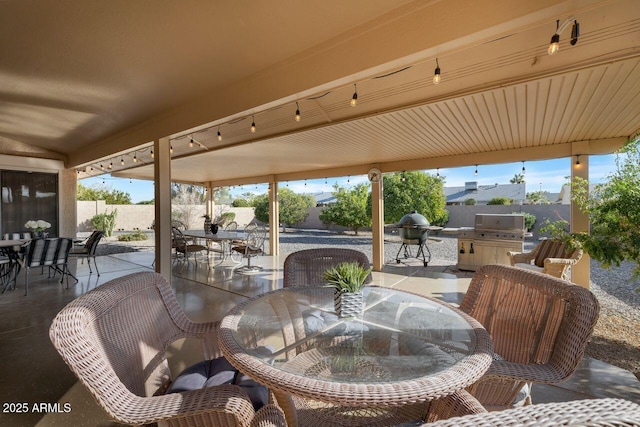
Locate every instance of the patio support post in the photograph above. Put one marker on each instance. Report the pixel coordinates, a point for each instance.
(162, 204)
(209, 204)
(580, 273)
(377, 225)
(274, 220)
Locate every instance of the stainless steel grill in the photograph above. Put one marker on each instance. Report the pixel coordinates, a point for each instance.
(489, 241)
(413, 230)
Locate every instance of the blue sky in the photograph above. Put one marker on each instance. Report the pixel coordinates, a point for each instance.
(546, 175)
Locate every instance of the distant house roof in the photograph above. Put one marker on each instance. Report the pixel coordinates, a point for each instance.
(484, 193)
(324, 198)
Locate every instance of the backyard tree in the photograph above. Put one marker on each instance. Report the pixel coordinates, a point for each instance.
(499, 201)
(350, 208)
(293, 209)
(407, 191)
(517, 179)
(185, 200)
(537, 198)
(97, 192)
(613, 211)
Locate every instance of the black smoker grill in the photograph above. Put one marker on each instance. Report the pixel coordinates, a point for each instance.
(413, 229)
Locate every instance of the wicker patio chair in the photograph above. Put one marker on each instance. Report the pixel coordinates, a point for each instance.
(114, 339)
(550, 256)
(307, 267)
(590, 412)
(540, 326)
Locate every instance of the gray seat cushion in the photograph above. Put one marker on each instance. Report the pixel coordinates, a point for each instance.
(210, 373)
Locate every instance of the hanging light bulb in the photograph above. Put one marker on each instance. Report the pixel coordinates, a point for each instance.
(523, 169)
(297, 112)
(135, 158)
(101, 166)
(92, 166)
(130, 182)
(436, 73)
(122, 161)
(110, 165)
(152, 155)
(476, 172)
(253, 124)
(219, 134)
(191, 143)
(103, 181)
(554, 45)
(577, 159)
(171, 149)
(438, 173)
(354, 98)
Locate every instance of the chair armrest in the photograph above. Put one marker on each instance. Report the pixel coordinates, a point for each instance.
(545, 373)
(520, 257)
(269, 416)
(209, 405)
(560, 261)
(205, 331)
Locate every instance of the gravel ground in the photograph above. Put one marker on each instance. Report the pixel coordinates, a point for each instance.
(616, 339)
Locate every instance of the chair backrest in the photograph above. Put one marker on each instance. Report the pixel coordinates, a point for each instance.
(307, 267)
(47, 252)
(16, 236)
(92, 242)
(256, 238)
(113, 338)
(232, 226)
(179, 240)
(533, 318)
(551, 248)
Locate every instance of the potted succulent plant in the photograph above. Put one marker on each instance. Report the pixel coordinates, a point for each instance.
(348, 279)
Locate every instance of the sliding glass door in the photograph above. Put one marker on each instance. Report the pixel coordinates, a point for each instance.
(28, 196)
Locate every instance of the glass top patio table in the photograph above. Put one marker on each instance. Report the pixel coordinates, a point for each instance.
(404, 348)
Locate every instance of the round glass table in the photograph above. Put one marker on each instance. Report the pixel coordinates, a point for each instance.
(403, 349)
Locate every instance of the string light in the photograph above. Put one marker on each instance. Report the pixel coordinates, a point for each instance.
(577, 159)
(436, 73)
(354, 98)
(219, 134)
(171, 149)
(253, 124)
(476, 172)
(101, 166)
(523, 169)
(438, 173)
(554, 45)
(111, 163)
(122, 161)
(152, 156)
(191, 143)
(135, 158)
(297, 112)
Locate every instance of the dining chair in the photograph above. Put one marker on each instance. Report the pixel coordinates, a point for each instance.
(251, 247)
(307, 267)
(185, 247)
(116, 340)
(588, 412)
(540, 326)
(52, 253)
(550, 256)
(87, 249)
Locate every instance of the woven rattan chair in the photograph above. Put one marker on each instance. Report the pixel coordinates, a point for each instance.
(114, 340)
(590, 412)
(550, 256)
(540, 326)
(307, 267)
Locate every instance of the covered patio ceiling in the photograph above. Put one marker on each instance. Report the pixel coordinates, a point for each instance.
(97, 83)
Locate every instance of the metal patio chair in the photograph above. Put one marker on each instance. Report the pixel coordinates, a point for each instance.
(87, 249)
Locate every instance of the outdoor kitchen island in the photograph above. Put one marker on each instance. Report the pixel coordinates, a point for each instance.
(493, 236)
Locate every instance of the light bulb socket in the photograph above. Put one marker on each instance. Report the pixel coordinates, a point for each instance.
(436, 76)
(575, 33)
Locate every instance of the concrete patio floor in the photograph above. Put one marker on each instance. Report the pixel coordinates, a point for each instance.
(34, 373)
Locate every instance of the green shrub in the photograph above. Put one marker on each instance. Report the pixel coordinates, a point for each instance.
(240, 203)
(225, 218)
(131, 237)
(529, 219)
(105, 222)
(471, 202)
(500, 201)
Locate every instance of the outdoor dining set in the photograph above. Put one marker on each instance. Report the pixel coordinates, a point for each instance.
(20, 251)
(288, 357)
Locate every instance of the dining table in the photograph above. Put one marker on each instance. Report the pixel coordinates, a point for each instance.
(10, 261)
(375, 369)
(224, 238)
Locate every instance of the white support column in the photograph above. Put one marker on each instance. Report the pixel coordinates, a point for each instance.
(274, 220)
(377, 225)
(580, 273)
(209, 203)
(162, 191)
